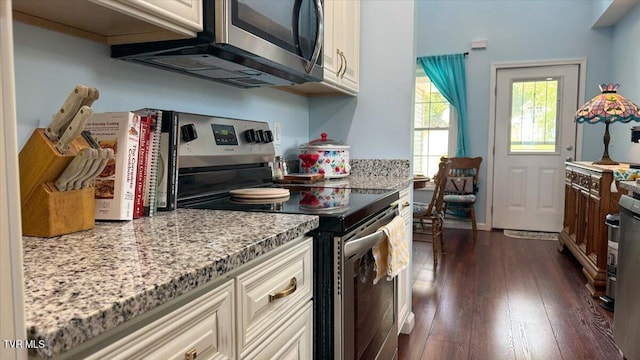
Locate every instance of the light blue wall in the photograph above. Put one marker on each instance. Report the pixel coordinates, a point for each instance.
(376, 124)
(49, 64)
(515, 31)
(626, 71)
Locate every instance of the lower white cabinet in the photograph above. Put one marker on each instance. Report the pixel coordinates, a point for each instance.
(404, 314)
(270, 294)
(264, 310)
(203, 328)
(293, 340)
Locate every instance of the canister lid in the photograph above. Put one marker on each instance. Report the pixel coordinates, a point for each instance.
(324, 142)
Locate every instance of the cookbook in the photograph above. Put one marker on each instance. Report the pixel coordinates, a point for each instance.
(115, 186)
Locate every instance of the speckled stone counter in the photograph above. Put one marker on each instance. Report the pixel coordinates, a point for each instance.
(632, 186)
(369, 182)
(83, 284)
(380, 167)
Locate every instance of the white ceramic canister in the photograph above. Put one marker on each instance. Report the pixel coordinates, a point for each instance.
(325, 156)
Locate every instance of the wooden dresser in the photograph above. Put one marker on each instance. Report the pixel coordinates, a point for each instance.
(587, 201)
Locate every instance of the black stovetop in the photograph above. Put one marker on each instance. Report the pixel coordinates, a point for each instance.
(339, 209)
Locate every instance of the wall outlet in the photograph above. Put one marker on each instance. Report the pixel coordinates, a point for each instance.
(277, 133)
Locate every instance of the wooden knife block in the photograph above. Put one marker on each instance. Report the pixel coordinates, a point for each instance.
(47, 212)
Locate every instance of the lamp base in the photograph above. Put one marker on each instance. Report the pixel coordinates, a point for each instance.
(606, 160)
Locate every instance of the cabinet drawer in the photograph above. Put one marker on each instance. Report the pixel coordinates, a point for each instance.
(258, 313)
(205, 326)
(293, 342)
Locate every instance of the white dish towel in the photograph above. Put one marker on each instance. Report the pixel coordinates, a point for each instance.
(392, 255)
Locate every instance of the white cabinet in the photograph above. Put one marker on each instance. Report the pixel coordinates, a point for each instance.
(293, 340)
(202, 328)
(262, 310)
(342, 45)
(341, 51)
(404, 314)
(115, 21)
(269, 296)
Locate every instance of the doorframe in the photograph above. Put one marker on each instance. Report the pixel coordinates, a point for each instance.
(582, 75)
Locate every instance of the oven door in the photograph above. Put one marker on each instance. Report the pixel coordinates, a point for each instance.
(287, 32)
(366, 324)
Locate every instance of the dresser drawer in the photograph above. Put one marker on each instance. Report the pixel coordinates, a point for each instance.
(259, 312)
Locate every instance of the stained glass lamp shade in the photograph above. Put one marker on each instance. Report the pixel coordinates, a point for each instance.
(608, 107)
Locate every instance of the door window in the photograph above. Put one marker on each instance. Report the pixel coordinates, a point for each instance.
(534, 116)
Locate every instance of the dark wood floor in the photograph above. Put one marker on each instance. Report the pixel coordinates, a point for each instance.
(503, 298)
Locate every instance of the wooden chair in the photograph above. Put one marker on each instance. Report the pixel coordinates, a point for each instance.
(430, 217)
(461, 188)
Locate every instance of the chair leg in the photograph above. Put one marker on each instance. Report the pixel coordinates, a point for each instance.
(441, 234)
(473, 222)
(434, 242)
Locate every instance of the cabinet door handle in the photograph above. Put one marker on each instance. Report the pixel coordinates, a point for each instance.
(341, 63)
(191, 354)
(293, 285)
(345, 64)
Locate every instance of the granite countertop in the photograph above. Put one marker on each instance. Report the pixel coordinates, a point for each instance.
(632, 186)
(80, 285)
(364, 182)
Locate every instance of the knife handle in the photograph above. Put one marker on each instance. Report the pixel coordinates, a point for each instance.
(67, 111)
(98, 165)
(92, 96)
(74, 167)
(90, 166)
(74, 129)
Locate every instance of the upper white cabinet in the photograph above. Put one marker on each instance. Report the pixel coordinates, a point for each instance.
(114, 21)
(342, 45)
(341, 52)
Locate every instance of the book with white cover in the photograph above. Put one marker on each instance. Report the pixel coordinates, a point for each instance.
(115, 186)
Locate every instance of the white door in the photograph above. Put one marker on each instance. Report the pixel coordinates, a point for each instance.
(534, 135)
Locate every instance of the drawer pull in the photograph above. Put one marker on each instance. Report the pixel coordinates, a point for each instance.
(191, 354)
(293, 285)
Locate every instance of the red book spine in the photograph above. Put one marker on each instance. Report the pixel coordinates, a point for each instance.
(145, 132)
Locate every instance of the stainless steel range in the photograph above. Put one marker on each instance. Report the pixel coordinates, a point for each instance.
(353, 318)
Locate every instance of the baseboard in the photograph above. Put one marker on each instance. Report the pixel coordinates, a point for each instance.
(464, 224)
(407, 327)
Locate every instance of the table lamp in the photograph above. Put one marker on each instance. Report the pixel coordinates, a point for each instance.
(608, 107)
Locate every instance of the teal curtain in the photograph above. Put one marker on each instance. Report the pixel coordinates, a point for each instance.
(448, 75)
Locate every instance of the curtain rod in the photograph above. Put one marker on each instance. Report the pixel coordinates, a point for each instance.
(465, 54)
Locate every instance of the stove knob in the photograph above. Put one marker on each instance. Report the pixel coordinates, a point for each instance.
(268, 136)
(260, 136)
(250, 136)
(188, 132)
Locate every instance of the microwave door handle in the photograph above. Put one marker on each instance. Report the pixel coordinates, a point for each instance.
(295, 29)
(309, 63)
(319, 37)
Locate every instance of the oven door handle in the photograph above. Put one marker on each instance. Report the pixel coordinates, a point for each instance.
(369, 241)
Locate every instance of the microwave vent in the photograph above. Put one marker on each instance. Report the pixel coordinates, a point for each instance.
(246, 82)
(184, 63)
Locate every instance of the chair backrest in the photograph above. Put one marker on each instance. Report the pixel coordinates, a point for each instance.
(463, 168)
(439, 180)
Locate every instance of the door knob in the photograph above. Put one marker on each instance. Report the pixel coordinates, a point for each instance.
(569, 147)
(569, 158)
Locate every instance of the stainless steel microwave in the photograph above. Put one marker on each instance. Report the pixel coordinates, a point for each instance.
(245, 43)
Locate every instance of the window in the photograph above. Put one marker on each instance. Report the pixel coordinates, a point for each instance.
(434, 132)
(534, 116)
